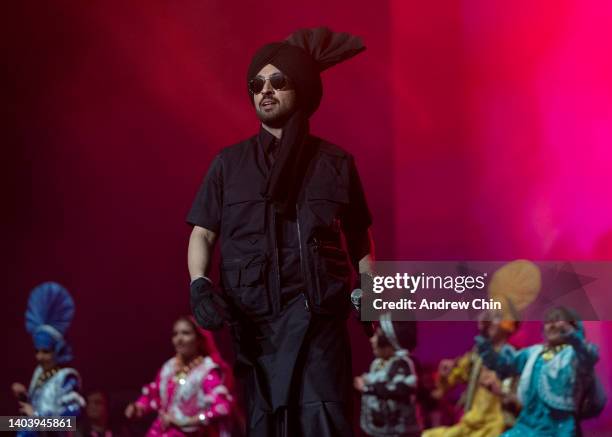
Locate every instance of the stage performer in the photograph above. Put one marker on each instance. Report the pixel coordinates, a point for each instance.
(191, 392)
(54, 388)
(489, 404)
(557, 385)
(292, 218)
(388, 390)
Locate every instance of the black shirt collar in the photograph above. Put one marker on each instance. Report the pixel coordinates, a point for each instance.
(267, 140)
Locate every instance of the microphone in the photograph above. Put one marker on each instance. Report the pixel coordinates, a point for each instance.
(356, 299)
(356, 295)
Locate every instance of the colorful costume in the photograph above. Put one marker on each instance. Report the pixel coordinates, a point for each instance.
(58, 395)
(551, 385)
(54, 392)
(388, 402)
(200, 393)
(484, 415)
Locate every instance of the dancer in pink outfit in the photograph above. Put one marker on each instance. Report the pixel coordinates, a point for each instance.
(190, 392)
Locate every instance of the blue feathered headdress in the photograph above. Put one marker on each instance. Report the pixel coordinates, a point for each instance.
(48, 316)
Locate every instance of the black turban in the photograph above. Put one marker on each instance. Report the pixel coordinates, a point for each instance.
(302, 57)
(295, 63)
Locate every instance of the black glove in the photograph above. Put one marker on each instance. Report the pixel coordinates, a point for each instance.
(207, 306)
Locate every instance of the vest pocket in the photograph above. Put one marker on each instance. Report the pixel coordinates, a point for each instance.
(236, 209)
(244, 281)
(330, 272)
(326, 204)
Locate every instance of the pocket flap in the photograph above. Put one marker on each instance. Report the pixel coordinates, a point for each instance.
(333, 193)
(243, 271)
(234, 196)
(251, 274)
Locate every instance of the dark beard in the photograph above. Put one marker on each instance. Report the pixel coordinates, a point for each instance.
(274, 121)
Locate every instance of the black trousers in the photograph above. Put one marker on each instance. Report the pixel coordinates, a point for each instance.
(320, 419)
(297, 375)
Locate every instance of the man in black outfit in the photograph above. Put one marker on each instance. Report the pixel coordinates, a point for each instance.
(292, 219)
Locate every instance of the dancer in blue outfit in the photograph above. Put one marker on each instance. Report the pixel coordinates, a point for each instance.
(54, 389)
(554, 376)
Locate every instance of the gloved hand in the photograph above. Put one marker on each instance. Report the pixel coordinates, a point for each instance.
(207, 306)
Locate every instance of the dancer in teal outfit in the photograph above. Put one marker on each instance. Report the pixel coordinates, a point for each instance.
(554, 376)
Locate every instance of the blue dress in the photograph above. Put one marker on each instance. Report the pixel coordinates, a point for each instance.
(537, 418)
(551, 384)
(58, 396)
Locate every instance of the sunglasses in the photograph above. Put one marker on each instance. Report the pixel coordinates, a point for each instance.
(278, 81)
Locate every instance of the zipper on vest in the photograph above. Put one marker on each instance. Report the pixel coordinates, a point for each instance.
(276, 296)
(297, 223)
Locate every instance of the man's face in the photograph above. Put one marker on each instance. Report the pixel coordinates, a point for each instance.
(274, 106)
(380, 351)
(556, 329)
(97, 406)
(495, 332)
(45, 358)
